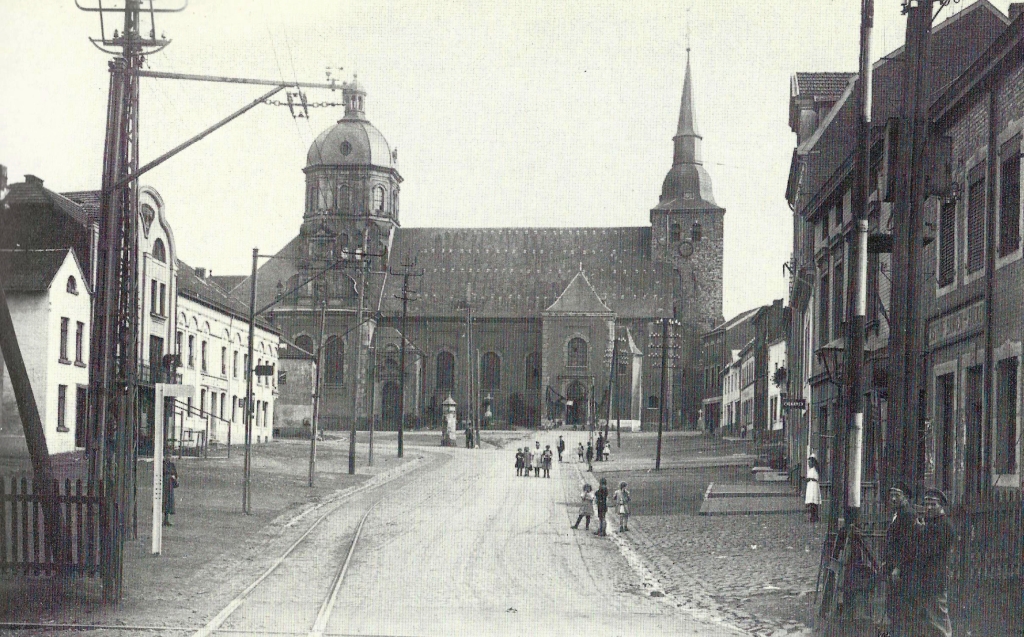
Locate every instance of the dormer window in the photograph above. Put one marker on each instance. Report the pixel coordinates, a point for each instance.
(72, 286)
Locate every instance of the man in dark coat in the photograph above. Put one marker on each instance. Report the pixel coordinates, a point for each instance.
(469, 437)
(561, 448)
(899, 543)
(170, 484)
(600, 448)
(601, 500)
(927, 577)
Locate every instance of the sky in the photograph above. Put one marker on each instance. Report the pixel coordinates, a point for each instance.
(527, 113)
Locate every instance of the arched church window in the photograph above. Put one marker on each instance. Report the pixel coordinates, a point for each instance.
(490, 372)
(696, 232)
(378, 199)
(305, 343)
(676, 233)
(334, 361)
(159, 251)
(577, 353)
(445, 372)
(344, 199)
(325, 201)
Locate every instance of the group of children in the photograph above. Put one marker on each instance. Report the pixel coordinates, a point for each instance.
(596, 504)
(536, 460)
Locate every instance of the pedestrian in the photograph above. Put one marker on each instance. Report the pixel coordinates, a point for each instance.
(170, 484)
(586, 507)
(579, 451)
(622, 498)
(561, 448)
(812, 497)
(527, 461)
(519, 461)
(469, 436)
(600, 448)
(899, 543)
(538, 459)
(601, 501)
(590, 457)
(927, 579)
(607, 452)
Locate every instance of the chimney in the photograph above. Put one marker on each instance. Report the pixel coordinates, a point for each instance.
(32, 179)
(201, 273)
(1016, 8)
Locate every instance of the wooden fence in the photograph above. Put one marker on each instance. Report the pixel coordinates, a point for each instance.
(23, 543)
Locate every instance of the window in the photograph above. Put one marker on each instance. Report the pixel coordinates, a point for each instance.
(490, 372)
(72, 286)
(191, 351)
(976, 220)
(64, 323)
(190, 407)
(378, 199)
(222, 402)
(676, 233)
(163, 299)
(653, 402)
(177, 346)
(202, 359)
(79, 342)
(1006, 416)
(1009, 197)
(445, 372)
(154, 303)
(234, 409)
(334, 361)
(946, 430)
(81, 415)
(62, 404)
(696, 232)
(837, 301)
(576, 356)
(159, 251)
(305, 343)
(947, 243)
(202, 402)
(871, 314)
(223, 361)
(824, 227)
(823, 309)
(245, 361)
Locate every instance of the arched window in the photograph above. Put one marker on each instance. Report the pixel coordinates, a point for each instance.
(305, 343)
(159, 251)
(577, 354)
(394, 202)
(72, 285)
(675, 233)
(533, 372)
(490, 372)
(445, 372)
(696, 232)
(344, 199)
(334, 361)
(378, 199)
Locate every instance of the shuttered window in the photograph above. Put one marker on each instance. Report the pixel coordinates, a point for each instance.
(837, 301)
(976, 220)
(947, 243)
(1009, 197)
(1006, 416)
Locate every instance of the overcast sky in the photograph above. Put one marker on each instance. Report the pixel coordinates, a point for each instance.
(529, 113)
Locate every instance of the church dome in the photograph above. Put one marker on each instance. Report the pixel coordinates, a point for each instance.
(353, 141)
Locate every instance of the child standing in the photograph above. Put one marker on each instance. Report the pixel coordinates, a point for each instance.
(527, 461)
(586, 507)
(519, 462)
(547, 456)
(621, 498)
(579, 452)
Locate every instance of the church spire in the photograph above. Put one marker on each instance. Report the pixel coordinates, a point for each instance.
(687, 139)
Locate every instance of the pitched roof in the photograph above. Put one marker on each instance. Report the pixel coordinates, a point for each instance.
(578, 297)
(203, 290)
(228, 282)
(88, 199)
(32, 192)
(30, 270)
(822, 86)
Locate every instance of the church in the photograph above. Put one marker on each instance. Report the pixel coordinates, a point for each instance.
(520, 326)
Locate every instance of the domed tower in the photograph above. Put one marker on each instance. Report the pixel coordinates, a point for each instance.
(687, 224)
(352, 187)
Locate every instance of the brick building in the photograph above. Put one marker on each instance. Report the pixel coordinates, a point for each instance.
(527, 317)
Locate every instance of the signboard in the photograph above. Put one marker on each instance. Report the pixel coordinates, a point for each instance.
(794, 403)
(956, 325)
(264, 370)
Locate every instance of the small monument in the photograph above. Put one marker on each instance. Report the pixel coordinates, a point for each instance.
(448, 409)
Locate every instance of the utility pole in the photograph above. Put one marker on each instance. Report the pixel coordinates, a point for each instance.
(666, 342)
(372, 386)
(358, 369)
(906, 333)
(249, 373)
(314, 426)
(470, 394)
(408, 270)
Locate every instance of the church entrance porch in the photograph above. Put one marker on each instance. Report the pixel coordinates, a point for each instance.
(575, 404)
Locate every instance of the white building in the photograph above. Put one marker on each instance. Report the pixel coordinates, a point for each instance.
(731, 395)
(50, 304)
(747, 378)
(776, 383)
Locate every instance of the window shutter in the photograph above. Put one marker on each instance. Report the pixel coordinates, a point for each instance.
(976, 221)
(1009, 197)
(947, 243)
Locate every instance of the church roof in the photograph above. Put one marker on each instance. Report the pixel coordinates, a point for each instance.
(579, 297)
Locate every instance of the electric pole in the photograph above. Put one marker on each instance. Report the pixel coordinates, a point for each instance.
(667, 342)
(408, 270)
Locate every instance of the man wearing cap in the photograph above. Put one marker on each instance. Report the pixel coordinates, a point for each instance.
(899, 543)
(929, 589)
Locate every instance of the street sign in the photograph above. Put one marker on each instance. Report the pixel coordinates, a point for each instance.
(264, 370)
(794, 403)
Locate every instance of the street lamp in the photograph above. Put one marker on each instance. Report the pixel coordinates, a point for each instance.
(831, 357)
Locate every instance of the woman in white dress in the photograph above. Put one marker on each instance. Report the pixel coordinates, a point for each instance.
(812, 498)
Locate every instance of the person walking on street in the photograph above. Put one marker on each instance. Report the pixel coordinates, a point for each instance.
(621, 498)
(590, 457)
(170, 484)
(469, 436)
(586, 507)
(899, 543)
(527, 461)
(547, 457)
(538, 459)
(601, 501)
(579, 451)
(561, 448)
(927, 578)
(812, 497)
(600, 448)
